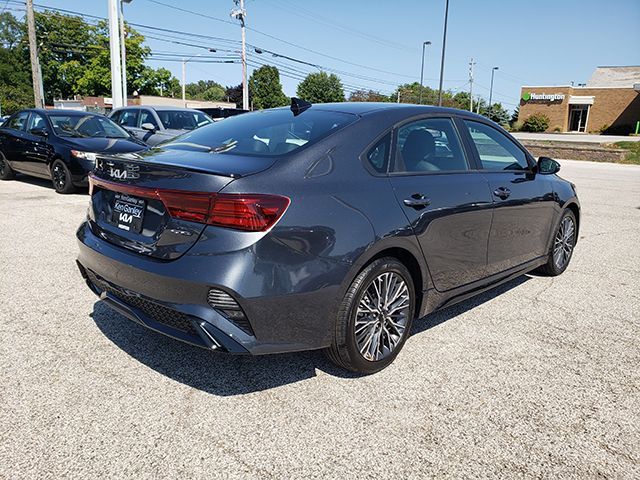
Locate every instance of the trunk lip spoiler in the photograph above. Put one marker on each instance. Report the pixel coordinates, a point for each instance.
(135, 190)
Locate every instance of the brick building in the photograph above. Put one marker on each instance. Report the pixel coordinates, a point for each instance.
(609, 102)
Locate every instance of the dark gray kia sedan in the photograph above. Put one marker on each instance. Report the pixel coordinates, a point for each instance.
(327, 226)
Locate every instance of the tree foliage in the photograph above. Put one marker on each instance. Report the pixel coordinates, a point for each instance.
(321, 88)
(208, 90)
(538, 122)
(75, 58)
(368, 96)
(266, 89)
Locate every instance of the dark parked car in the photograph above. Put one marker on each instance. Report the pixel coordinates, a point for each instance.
(154, 125)
(321, 227)
(222, 113)
(60, 145)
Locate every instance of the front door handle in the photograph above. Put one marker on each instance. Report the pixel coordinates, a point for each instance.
(502, 192)
(417, 201)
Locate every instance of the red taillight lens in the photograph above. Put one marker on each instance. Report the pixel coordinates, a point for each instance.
(251, 212)
(254, 213)
(194, 207)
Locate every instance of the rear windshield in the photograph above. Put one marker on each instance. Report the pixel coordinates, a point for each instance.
(183, 120)
(85, 126)
(266, 133)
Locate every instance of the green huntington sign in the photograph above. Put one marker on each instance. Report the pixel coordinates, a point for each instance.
(543, 97)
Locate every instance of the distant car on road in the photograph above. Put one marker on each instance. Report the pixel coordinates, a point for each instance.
(60, 144)
(154, 125)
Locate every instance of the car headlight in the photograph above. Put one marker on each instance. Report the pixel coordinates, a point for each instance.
(91, 156)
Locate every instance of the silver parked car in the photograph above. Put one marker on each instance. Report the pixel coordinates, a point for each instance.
(154, 125)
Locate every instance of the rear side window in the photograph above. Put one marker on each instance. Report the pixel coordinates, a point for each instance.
(18, 121)
(429, 145)
(378, 155)
(266, 133)
(496, 151)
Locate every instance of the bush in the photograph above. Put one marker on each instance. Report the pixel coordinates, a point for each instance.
(557, 130)
(516, 127)
(538, 122)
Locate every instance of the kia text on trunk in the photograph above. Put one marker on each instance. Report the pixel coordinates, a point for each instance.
(321, 227)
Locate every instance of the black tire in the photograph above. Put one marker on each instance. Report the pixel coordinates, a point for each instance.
(564, 240)
(345, 350)
(6, 172)
(61, 178)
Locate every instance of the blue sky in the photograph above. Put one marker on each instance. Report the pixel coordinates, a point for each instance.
(532, 43)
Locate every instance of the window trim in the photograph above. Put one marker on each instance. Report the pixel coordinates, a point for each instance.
(461, 140)
(149, 111)
(528, 158)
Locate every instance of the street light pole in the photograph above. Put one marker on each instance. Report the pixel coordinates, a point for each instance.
(444, 46)
(38, 98)
(123, 53)
(184, 74)
(114, 51)
(493, 70)
(424, 44)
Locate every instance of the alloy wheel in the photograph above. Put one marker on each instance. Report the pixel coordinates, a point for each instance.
(59, 176)
(382, 316)
(564, 242)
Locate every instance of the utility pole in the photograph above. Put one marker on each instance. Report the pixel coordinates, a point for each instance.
(424, 44)
(444, 46)
(240, 14)
(114, 50)
(471, 64)
(184, 82)
(33, 55)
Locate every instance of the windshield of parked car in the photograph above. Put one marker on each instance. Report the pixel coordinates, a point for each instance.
(265, 133)
(183, 119)
(86, 126)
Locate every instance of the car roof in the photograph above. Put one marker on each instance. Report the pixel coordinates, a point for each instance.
(160, 108)
(362, 108)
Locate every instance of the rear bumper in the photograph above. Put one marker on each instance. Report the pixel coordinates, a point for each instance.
(290, 307)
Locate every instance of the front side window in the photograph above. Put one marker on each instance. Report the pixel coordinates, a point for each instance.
(265, 133)
(86, 126)
(496, 151)
(18, 121)
(146, 116)
(183, 119)
(36, 123)
(429, 145)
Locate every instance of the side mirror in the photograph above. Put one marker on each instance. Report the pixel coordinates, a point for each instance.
(39, 131)
(148, 127)
(547, 166)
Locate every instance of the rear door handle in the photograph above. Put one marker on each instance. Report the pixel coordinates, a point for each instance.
(502, 192)
(417, 200)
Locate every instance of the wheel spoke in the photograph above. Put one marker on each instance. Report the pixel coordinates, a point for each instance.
(382, 316)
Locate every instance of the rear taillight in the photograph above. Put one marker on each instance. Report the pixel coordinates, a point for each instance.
(250, 212)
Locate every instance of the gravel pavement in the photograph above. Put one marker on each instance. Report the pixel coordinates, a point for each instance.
(537, 378)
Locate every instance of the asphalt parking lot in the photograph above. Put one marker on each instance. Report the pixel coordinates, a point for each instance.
(539, 378)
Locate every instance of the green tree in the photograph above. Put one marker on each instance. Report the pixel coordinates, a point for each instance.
(266, 89)
(74, 57)
(16, 90)
(499, 114)
(234, 95)
(368, 96)
(321, 88)
(205, 90)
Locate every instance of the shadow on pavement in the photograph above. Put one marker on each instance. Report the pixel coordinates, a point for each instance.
(46, 183)
(223, 374)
